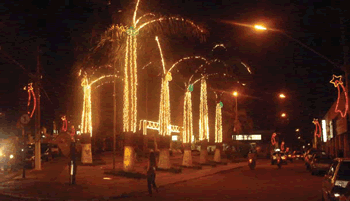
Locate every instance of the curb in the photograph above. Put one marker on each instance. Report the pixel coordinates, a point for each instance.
(123, 195)
(10, 178)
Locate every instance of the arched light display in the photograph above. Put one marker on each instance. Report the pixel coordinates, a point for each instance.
(86, 119)
(130, 68)
(203, 112)
(336, 81)
(317, 132)
(164, 106)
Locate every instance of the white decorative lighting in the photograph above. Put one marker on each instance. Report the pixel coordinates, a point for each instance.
(324, 130)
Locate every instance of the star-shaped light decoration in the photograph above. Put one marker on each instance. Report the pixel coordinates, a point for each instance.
(336, 80)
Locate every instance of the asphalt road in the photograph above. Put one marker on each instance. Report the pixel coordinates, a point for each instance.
(266, 182)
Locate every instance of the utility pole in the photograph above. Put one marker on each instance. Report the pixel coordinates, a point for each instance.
(37, 116)
(114, 115)
(346, 70)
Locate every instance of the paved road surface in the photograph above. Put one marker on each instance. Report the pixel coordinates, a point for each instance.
(266, 182)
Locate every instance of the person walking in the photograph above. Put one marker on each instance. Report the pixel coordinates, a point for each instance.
(151, 173)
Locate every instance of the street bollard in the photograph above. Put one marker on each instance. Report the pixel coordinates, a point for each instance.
(72, 164)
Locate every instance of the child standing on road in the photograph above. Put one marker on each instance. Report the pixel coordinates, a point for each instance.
(151, 173)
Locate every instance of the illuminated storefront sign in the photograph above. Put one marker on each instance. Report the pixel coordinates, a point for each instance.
(174, 138)
(248, 137)
(324, 130)
(330, 129)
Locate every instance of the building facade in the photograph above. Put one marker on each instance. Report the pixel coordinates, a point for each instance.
(335, 133)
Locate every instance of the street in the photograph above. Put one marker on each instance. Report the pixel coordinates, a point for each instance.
(266, 182)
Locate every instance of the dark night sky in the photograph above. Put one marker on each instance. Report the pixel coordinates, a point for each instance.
(278, 63)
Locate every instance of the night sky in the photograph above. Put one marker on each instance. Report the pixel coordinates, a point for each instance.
(278, 64)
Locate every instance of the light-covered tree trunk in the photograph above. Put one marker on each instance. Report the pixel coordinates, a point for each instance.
(129, 153)
(164, 155)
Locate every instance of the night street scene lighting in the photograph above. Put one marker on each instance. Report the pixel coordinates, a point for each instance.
(150, 100)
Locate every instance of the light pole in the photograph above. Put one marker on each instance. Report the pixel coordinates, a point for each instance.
(235, 94)
(263, 28)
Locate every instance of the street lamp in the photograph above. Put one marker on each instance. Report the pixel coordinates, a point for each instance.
(282, 96)
(297, 130)
(261, 27)
(235, 94)
(283, 115)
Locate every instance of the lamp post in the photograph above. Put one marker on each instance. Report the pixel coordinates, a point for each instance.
(263, 28)
(235, 94)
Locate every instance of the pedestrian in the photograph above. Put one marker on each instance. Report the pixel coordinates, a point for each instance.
(151, 173)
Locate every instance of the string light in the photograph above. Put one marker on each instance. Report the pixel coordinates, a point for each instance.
(248, 69)
(218, 124)
(164, 105)
(130, 68)
(171, 18)
(219, 45)
(206, 63)
(145, 15)
(30, 94)
(161, 54)
(187, 119)
(145, 124)
(186, 58)
(126, 93)
(86, 123)
(203, 112)
(273, 140)
(336, 81)
(317, 128)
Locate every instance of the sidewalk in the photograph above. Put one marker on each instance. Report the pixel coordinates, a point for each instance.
(52, 182)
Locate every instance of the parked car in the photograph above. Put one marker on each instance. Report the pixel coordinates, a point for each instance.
(274, 158)
(336, 182)
(308, 156)
(55, 150)
(298, 155)
(46, 154)
(320, 163)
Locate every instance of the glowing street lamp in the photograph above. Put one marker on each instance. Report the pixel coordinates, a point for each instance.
(282, 96)
(283, 115)
(299, 137)
(235, 93)
(297, 130)
(259, 27)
